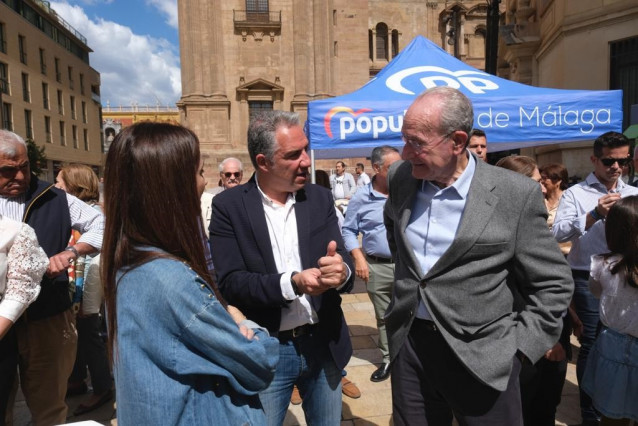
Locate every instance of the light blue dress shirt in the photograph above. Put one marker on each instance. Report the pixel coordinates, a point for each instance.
(569, 224)
(436, 216)
(365, 216)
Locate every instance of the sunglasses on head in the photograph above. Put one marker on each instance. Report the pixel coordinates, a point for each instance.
(235, 174)
(608, 162)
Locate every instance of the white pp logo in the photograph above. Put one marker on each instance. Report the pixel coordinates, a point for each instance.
(442, 77)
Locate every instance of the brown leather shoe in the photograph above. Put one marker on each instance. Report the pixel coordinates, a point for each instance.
(349, 389)
(295, 398)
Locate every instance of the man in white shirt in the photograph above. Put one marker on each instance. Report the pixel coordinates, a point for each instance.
(581, 219)
(342, 184)
(362, 177)
(46, 334)
(282, 264)
(231, 172)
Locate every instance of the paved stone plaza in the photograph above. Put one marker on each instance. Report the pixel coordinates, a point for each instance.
(375, 405)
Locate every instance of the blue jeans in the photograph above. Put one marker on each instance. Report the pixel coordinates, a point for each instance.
(306, 362)
(586, 306)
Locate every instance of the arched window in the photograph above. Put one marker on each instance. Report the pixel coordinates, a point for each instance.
(382, 41)
(395, 43)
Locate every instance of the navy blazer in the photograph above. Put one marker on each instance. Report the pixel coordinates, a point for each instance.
(246, 272)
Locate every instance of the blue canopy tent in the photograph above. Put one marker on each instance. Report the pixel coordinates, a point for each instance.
(513, 115)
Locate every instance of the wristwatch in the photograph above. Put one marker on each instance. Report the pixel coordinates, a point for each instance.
(74, 250)
(295, 288)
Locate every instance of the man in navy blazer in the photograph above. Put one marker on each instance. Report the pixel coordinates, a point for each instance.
(280, 259)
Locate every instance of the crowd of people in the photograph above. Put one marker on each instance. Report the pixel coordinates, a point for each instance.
(222, 306)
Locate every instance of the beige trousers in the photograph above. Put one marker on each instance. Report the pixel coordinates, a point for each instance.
(380, 291)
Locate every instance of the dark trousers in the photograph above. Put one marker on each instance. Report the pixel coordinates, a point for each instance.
(542, 384)
(91, 353)
(586, 307)
(8, 369)
(430, 386)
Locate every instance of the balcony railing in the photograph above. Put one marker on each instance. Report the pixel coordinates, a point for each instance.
(248, 18)
(46, 6)
(4, 85)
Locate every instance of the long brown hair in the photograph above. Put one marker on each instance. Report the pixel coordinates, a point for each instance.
(621, 232)
(150, 199)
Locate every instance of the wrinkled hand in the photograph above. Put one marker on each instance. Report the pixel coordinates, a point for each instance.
(238, 317)
(59, 263)
(606, 202)
(556, 353)
(333, 270)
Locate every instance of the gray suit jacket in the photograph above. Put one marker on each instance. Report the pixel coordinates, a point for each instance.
(503, 284)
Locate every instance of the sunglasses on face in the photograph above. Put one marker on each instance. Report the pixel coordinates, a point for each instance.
(235, 174)
(608, 162)
(11, 171)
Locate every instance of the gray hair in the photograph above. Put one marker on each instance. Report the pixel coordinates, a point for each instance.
(261, 133)
(377, 158)
(230, 160)
(456, 109)
(9, 141)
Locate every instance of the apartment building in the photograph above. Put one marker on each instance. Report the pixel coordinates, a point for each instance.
(48, 91)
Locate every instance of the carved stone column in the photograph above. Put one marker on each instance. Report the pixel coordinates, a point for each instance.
(303, 42)
(322, 43)
(204, 105)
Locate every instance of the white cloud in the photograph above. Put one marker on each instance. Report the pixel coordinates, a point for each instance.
(168, 8)
(133, 68)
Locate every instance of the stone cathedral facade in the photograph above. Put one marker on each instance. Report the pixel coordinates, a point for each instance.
(239, 57)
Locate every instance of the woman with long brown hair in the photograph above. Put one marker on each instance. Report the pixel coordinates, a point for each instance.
(180, 355)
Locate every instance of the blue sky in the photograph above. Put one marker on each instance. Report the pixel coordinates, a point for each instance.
(135, 47)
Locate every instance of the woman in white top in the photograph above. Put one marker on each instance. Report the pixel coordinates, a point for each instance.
(612, 367)
(22, 264)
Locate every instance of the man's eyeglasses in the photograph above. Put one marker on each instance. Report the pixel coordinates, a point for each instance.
(420, 147)
(235, 174)
(608, 162)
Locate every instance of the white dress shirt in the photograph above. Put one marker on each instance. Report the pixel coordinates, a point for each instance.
(282, 229)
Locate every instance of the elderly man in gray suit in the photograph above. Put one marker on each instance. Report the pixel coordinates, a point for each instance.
(481, 284)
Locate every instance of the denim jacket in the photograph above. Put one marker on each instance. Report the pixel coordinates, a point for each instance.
(179, 356)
